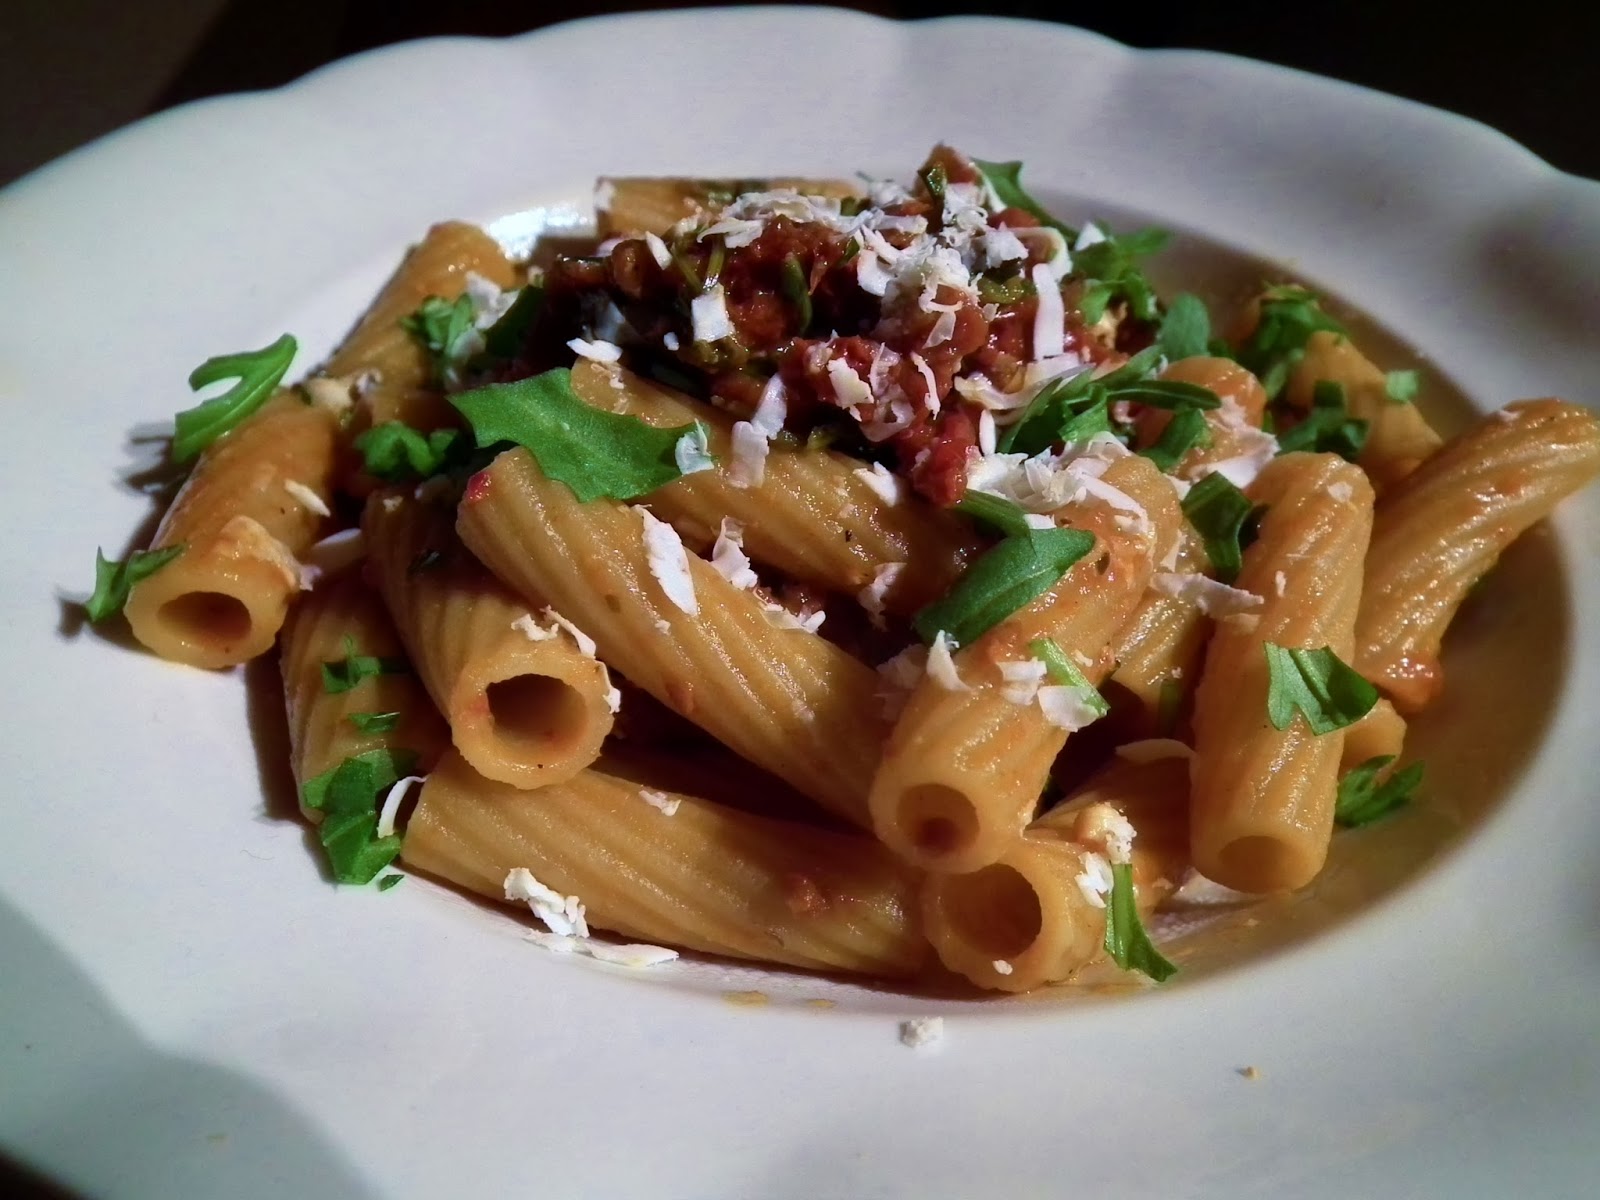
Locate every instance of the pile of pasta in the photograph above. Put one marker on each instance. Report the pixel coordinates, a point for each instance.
(479, 634)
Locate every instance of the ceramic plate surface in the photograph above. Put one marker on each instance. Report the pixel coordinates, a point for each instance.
(186, 1010)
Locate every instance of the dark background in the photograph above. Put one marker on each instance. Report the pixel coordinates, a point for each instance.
(72, 69)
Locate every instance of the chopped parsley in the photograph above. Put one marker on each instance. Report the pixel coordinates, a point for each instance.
(389, 881)
(1220, 514)
(396, 453)
(348, 797)
(1362, 800)
(595, 453)
(114, 580)
(1065, 672)
(1006, 577)
(444, 329)
(255, 372)
(1126, 941)
(375, 722)
(1328, 693)
(1328, 428)
(1289, 316)
(1401, 386)
(345, 673)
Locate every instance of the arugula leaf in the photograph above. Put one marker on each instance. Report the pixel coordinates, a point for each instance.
(795, 290)
(1289, 316)
(1329, 694)
(1074, 408)
(1328, 427)
(1066, 673)
(1218, 511)
(1171, 394)
(375, 722)
(388, 881)
(1007, 576)
(257, 372)
(1109, 269)
(114, 580)
(348, 798)
(506, 337)
(1183, 433)
(1002, 515)
(594, 453)
(343, 674)
(1126, 941)
(1401, 386)
(397, 453)
(1005, 181)
(1362, 800)
(443, 328)
(1186, 329)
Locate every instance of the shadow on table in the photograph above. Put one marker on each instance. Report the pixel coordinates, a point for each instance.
(89, 1108)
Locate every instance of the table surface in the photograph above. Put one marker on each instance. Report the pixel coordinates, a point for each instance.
(80, 68)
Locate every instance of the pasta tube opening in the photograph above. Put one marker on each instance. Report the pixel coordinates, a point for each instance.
(937, 822)
(535, 714)
(208, 620)
(995, 911)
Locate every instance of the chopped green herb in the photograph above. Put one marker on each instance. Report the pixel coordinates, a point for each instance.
(935, 180)
(1328, 428)
(1289, 316)
(443, 329)
(1329, 694)
(1362, 800)
(389, 881)
(1126, 941)
(348, 798)
(1401, 386)
(1066, 673)
(1007, 576)
(1110, 270)
(375, 722)
(256, 372)
(114, 580)
(397, 453)
(347, 672)
(1219, 512)
(1000, 514)
(1004, 290)
(796, 291)
(1186, 328)
(1186, 430)
(1169, 706)
(715, 261)
(595, 453)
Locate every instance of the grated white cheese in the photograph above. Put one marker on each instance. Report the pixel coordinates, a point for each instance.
(391, 804)
(307, 497)
(871, 597)
(708, 312)
(772, 409)
(613, 695)
(532, 630)
(728, 558)
(1094, 882)
(1022, 679)
(586, 646)
(882, 481)
(986, 432)
(669, 340)
(1105, 830)
(1213, 598)
(692, 452)
(898, 676)
(1038, 521)
(1069, 707)
(562, 915)
(1280, 582)
(628, 954)
(337, 551)
(747, 456)
(930, 385)
(1002, 967)
(1050, 317)
(1341, 491)
(596, 351)
(942, 667)
(1153, 750)
(334, 395)
(921, 1031)
(1090, 235)
(849, 388)
(665, 804)
(781, 618)
(668, 561)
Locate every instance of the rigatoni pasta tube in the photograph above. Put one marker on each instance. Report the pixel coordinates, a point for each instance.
(1379, 734)
(1158, 651)
(784, 698)
(1398, 435)
(705, 877)
(963, 768)
(321, 733)
(403, 388)
(1263, 797)
(1029, 919)
(814, 516)
(254, 502)
(526, 706)
(1444, 527)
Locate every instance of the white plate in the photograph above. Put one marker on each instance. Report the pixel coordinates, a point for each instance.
(186, 1011)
